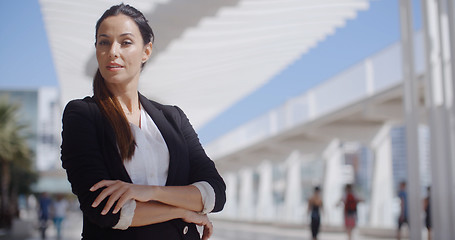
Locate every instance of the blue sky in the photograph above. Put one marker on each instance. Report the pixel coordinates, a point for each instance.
(25, 58)
(26, 62)
(371, 31)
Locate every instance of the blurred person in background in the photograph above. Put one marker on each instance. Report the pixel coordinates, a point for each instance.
(315, 209)
(137, 166)
(60, 207)
(44, 205)
(350, 201)
(427, 209)
(403, 217)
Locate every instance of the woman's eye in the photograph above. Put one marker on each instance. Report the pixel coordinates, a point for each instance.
(103, 43)
(127, 43)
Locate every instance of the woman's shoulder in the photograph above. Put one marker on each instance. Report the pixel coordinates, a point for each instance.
(82, 106)
(82, 102)
(171, 112)
(167, 109)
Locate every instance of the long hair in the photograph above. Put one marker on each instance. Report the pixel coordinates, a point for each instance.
(106, 101)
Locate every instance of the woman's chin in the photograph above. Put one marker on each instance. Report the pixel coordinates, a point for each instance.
(113, 78)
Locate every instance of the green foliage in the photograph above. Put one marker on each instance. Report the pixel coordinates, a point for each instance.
(17, 173)
(12, 139)
(22, 178)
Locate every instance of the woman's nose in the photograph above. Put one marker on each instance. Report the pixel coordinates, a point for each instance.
(114, 51)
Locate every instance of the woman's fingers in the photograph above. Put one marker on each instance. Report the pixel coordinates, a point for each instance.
(104, 194)
(208, 230)
(120, 192)
(107, 192)
(112, 199)
(122, 201)
(201, 220)
(102, 183)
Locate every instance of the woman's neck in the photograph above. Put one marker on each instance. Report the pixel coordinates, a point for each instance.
(127, 96)
(129, 102)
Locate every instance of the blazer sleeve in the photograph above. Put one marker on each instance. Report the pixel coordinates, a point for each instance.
(202, 168)
(82, 158)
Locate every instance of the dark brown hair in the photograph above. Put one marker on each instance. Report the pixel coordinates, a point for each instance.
(107, 102)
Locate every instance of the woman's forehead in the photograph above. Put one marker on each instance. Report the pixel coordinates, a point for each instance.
(118, 25)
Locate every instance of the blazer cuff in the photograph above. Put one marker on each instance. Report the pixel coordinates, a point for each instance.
(126, 215)
(208, 195)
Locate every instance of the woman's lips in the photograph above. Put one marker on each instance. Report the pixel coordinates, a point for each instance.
(114, 67)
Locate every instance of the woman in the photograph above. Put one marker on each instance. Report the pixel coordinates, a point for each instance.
(350, 202)
(315, 208)
(136, 166)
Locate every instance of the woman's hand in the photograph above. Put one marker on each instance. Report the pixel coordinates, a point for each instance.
(201, 220)
(121, 191)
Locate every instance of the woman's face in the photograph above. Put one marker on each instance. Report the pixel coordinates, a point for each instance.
(120, 50)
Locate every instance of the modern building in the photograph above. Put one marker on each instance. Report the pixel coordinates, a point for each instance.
(358, 136)
(40, 111)
(398, 138)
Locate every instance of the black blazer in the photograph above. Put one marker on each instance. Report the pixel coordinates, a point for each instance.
(89, 154)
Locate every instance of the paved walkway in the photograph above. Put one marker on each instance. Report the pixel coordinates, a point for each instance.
(224, 230)
(27, 229)
(244, 231)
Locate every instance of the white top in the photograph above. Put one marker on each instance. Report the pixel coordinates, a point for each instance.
(149, 166)
(150, 162)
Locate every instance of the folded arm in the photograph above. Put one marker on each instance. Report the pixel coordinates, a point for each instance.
(82, 158)
(119, 193)
(156, 212)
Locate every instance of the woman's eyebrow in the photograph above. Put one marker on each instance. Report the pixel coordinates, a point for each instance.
(121, 35)
(127, 34)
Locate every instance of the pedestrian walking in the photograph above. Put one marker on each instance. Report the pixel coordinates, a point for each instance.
(315, 209)
(60, 207)
(403, 217)
(44, 204)
(427, 209)
(350, 201)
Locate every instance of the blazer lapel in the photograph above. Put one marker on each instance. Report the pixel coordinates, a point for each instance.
(109, 143)
(101, 119)
(170, 136)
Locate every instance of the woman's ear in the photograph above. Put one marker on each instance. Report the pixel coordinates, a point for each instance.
(147, 52)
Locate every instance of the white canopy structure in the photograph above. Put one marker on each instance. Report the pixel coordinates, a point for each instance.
(208, 54)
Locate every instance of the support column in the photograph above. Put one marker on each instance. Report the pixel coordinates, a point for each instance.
(382, 194)
(411, 110)
(447, 28)
(246, 201)
(265, 210)
(230, 208)
(293, 195)
(438, 31)
(450, 58)
(332, 190)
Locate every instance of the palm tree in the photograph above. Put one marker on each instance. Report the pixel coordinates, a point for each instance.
(13, 147)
